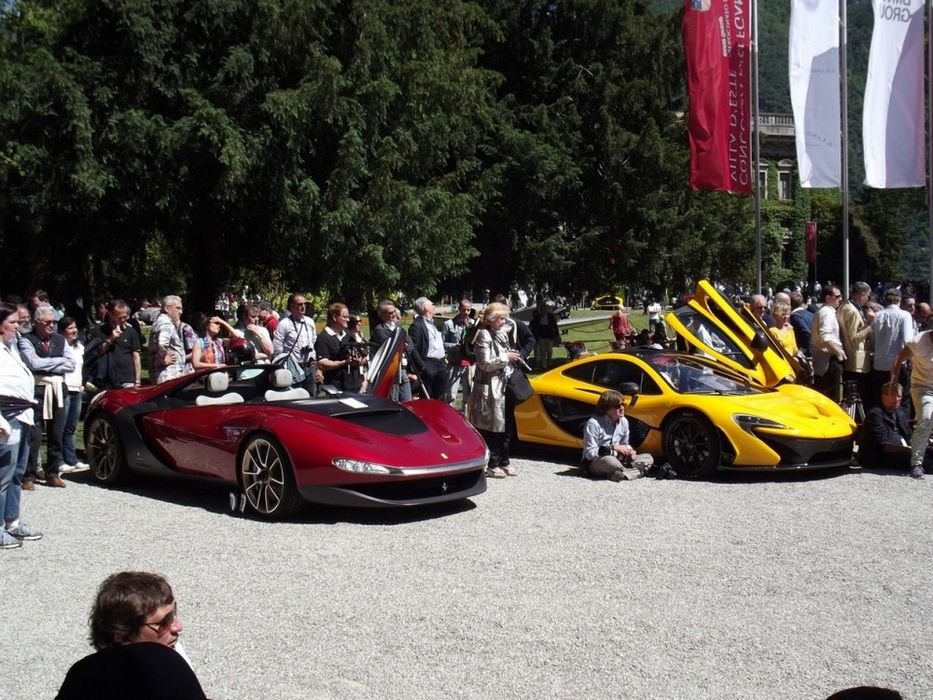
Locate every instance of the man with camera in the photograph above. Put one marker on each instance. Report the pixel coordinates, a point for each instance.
(111, 357)
(295, 337)
(334, 355)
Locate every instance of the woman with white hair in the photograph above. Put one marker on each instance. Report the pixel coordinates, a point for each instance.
(486, 406)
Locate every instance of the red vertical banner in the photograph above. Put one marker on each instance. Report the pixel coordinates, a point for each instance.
(717, 35)
(811, 242)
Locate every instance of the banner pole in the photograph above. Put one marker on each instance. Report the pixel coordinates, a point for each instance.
(929, 91)
(756, 117)
(844, 181)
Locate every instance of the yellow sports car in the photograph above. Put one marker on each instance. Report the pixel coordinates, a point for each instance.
(730, 403)
(608, 302)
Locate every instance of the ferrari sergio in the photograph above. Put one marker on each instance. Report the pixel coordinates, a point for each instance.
(245, 428)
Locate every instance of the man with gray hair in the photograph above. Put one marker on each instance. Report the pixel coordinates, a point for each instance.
(45, 352)
(427, 350)
(166, 349)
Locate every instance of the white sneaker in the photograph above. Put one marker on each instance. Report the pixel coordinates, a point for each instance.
(67, 468)
(80, 466)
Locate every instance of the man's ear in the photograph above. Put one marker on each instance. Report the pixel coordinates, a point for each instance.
(121, 638)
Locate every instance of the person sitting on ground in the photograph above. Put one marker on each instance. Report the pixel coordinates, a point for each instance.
(606, 449)
(886, 434)
(133, 609)
(645, 340)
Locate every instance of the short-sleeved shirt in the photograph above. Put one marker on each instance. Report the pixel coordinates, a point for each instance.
(922, 360)
(121, 365)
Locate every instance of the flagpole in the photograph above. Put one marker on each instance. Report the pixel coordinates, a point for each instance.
(844, 183)
(930, 146)
(757, 148)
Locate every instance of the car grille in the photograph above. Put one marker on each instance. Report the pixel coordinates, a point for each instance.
(413, 488)
(802, 452)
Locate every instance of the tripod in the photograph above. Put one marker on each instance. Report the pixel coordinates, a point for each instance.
(852, 402)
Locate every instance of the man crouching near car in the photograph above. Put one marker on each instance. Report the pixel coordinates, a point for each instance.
(606, 452)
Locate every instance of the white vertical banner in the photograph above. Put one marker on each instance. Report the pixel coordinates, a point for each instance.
(814, 90)
(893, 120)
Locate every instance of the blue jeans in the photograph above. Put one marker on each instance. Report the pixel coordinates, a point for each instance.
(72, 414)
(12, 467)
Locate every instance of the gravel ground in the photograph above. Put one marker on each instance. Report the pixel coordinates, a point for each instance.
(547, 585)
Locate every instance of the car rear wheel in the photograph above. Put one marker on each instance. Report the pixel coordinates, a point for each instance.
(266, 478)
(691, 446)
(104, 451)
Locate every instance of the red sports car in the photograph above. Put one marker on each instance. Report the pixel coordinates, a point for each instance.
(243, 427)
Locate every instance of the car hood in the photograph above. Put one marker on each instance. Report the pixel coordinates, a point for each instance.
(734, 337)
(799, 408)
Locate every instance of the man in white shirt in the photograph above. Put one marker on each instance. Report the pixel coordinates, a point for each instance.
(828, 354)
(295, 336)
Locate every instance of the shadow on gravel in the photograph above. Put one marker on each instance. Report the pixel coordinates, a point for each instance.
(215, 499)
(569, 459)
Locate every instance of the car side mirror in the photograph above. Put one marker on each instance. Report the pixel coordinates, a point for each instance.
(630, 389)
(760, 341)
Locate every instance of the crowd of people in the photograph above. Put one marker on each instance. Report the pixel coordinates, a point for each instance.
(872, 352)
(49, 366)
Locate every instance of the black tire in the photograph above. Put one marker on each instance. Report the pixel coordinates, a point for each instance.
(265, 475)
(691, 446)
(104, 449)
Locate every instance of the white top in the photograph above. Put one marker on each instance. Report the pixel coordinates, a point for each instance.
(16, 382)
(922, 360)
(74, 380)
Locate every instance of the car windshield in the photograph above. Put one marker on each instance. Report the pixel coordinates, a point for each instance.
(686, 375)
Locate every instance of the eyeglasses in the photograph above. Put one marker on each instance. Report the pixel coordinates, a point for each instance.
(47, 322)
(836, 296)
(163, 625)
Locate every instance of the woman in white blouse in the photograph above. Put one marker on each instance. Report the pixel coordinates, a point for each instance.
(16, 401)
(74, 388)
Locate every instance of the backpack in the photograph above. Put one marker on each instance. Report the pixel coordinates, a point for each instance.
(466, 344)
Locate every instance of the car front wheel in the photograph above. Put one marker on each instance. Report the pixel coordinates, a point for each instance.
(691, 446)
(104, 451)
(267, 480)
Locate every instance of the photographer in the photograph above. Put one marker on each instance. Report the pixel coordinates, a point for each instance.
(333, 352)
(357, 349)
(111, 357)
(295, 337)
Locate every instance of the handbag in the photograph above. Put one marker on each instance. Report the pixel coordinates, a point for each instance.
(518, 387)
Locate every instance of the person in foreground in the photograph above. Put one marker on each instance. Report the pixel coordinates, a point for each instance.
(134, 626)
(606, 450)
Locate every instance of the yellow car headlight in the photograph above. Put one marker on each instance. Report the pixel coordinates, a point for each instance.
(748, 422)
